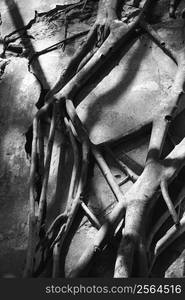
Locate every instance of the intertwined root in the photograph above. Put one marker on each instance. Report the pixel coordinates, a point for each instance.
(108, 35)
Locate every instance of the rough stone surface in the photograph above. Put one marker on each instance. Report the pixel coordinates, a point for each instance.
(11, 10)
(19, 91)
(127, 98)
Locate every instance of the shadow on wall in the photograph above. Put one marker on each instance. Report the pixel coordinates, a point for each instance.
(16, 114)
(110, 97)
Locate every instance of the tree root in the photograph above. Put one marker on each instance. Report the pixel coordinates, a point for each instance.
(113, 32)
(171, 208)
(56, 45)
(144, 189)
(74, 209)
(163, 218)
(42, 201)
(82, 133)
(173, 7)
(158, 40)
(123, 166)
(170, 236)
(136, 205)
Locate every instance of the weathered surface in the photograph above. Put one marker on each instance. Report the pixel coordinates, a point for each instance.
(129, 96)
(126, 98)
(19, 91)
(12, 9)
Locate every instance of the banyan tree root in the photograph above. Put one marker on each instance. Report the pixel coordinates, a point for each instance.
(135, 206)
(73, 200)
(74, 209)
(83, 135)
(138, 200)
(129, 172)
(173, 7)
(170, 236)
(62, 218)
(36, 219)
(144, 189)
(159, 223)
(135, 229)
(111, 34)
(59, 230)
